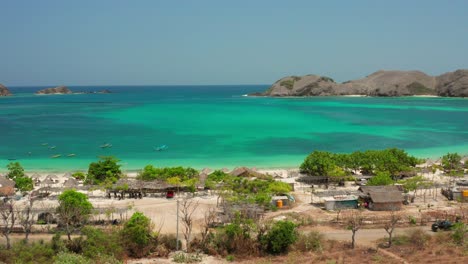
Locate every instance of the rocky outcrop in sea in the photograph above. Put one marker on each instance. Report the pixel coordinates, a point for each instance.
(4, 91)
(55, 90)
(380, 83)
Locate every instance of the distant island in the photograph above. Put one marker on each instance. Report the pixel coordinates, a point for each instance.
(380, 83)
(4, 91)
(55, 90)
(66, 90)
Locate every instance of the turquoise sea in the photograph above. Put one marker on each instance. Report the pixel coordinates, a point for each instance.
(217, 127)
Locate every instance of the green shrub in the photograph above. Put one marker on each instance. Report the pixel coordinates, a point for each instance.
(382, 178)
(71, 258)
(136, 235)
(181, 257)
(102, 242)
(79, 175)
(312, 241)
(278, 239)
(36, 252)
(412, 220)
(460, 233)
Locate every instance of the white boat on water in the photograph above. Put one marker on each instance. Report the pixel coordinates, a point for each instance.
(56, 156)
(71, 155)
(160, 148)
(107, 145)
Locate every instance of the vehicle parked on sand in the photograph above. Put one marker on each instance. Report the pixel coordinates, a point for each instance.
(441, 224)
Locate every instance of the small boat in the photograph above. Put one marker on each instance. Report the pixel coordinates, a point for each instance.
(45, 144)
(52, 147)
(56, 156)
(71, 155)
(11, 159)
(160, 148)
(107, 145)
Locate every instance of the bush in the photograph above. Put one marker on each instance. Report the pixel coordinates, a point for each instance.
(102, 242)
(106, 170)
(71, 258)
(418, 237)
(460, 233)
(136, 235)
(21, 252)
(278, 239)
(181, 257)
(312, 241)
(169, 241)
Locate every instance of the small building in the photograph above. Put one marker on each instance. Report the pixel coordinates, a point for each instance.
(340, 202)
(282, 200)
(382, 198)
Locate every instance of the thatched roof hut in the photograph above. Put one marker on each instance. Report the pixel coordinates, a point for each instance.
(382, 198)
(70, 183)
(7, 186)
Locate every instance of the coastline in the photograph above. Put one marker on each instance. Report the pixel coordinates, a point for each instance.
(274, 167)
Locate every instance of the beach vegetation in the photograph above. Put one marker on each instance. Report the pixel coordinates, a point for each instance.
(79, 175)
(414, 183)
(382, 178)
(106, 170)
(16, 173)
(137, 235)
(15, 170)
(451, 163)
(150, 173)
(394, 161)
(73, 210)
(24, 184)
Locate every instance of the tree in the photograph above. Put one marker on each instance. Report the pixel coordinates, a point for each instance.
(26, 218)
(15, 170)
(281, 235)
(451, 162)
(24, 184)
(16, 173)
(413, 183)
(73, 210)
(176, 181)
(278, 187)
(354, 220)
(390, 225)
(187, 209)
(8, 219)
(105, 170)
(382, 178)
(136, 235)
(318, 163)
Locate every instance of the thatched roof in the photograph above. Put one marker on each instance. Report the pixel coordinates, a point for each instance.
(47, 181)
(5, 182)
(53, 177)
(70, 183)
(35, 176)
(7, 186)
(386, 197)
(384, 188)
(244, 172)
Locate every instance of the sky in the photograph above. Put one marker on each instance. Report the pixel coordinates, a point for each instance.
(151, 42)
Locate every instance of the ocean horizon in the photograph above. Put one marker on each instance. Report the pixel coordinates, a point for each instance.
(216, 126)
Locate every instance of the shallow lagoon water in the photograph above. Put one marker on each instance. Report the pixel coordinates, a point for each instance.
(215, 126)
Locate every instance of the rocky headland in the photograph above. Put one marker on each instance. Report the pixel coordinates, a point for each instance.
(55, 90)
(380, 83)
(4, 91)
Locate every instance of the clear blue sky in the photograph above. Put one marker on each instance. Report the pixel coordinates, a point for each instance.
(106, 42)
